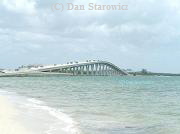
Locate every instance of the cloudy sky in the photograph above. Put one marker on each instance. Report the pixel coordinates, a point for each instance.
(147, 35)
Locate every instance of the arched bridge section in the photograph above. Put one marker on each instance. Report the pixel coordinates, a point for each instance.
(93, 68)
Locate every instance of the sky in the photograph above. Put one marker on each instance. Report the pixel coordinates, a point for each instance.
(147, 35)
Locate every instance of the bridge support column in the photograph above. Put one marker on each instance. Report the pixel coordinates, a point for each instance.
(113, 71)
(116, 72)
(110, 71)
(90, 70)
(66, 70)
(78, 70)
(103, 70)
(60, 70)
(87, 69)
(100, 69)
(73, 70)
(93, 72)
(96, 69)
(106, 69)
(70, 70)
(82, 69)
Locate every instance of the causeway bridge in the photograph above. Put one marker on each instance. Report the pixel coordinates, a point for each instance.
(88, 68)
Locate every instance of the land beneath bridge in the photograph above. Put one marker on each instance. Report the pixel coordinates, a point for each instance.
(33, 74)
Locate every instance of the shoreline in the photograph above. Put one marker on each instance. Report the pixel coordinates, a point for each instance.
(22, 115)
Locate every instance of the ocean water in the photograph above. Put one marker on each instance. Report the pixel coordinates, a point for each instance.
(97, 105)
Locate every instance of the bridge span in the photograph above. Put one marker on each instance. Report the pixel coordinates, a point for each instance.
(89, 68)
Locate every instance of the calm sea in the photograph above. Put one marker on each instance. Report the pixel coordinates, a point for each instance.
(100, 105)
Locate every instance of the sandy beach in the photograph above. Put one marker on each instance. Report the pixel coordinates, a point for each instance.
(9, 124)
(22, 115)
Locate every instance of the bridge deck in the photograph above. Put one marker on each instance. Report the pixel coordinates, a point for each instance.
(95, 68)
(85, 68)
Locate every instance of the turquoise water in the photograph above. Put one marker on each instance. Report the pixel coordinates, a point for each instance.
(108, 105)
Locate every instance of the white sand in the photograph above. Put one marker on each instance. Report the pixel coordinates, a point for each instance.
(9, 124)
(20, 115)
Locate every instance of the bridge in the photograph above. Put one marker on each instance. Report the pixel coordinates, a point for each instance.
(88, 68)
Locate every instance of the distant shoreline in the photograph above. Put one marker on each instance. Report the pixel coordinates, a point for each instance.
(153, 74)
(32, 74)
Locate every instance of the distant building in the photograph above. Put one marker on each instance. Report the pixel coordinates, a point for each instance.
(1, 70)
(144, 71)
(30, 66)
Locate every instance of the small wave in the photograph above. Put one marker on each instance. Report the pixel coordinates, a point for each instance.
(33, 100)
(164, 76)
(67, 124)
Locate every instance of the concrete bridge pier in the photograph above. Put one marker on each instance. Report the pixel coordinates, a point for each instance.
(91, 69)
(81, 69)
(95, 69)
(100, 69)
(103, 70)
(87, 69)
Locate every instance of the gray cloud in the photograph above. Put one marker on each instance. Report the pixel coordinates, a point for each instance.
(141, 37)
